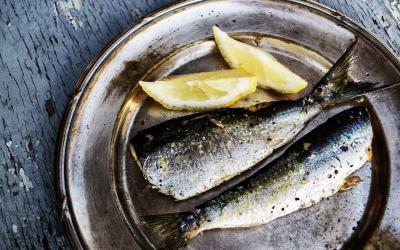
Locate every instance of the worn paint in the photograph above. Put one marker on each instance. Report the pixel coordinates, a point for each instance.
(375, 15)
(66, 8)
(27, 183)
(41, 57)
(394, 9)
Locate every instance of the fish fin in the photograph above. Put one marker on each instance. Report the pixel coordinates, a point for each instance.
(169, 227)
(338, 72)
(335, 79)
(334, 86)
(357, 89)
(133, 154)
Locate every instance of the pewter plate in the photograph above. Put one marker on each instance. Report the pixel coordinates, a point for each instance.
(101, 189)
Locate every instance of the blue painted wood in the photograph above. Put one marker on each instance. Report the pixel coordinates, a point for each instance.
(44, 47)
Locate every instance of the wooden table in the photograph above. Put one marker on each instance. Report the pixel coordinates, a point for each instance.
(44, 48)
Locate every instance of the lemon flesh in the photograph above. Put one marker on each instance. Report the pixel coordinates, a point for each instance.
(270, 73)
(201, 91)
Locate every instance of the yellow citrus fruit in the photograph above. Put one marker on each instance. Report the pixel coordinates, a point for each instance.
(201, 91)
(269, 71)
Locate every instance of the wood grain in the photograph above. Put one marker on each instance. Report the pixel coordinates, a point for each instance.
(44, 47)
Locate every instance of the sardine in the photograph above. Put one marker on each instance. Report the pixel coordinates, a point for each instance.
(312, 169)
(187, 156)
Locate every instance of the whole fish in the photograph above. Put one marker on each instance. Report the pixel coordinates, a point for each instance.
(187, 156)
(313, 168)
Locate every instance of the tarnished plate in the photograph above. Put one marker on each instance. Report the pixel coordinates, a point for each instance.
(102, 191)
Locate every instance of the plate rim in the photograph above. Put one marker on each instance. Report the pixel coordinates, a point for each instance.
(63, 197)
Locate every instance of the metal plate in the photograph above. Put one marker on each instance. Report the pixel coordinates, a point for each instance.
(103, 193)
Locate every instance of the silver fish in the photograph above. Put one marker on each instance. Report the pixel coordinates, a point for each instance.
(312, 169)
(190, 155)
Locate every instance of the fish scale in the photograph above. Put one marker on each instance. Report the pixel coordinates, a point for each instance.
(300, 178)
(187, 156)
(204, 155)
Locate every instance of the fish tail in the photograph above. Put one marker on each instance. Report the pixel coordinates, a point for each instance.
(335, 86)
(173, 227)
(361, 88)
(335, 80)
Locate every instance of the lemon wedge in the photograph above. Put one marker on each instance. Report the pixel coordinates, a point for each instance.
(270, 73)
(201, 91)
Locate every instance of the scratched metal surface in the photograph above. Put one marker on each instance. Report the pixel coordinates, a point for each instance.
(44, 48)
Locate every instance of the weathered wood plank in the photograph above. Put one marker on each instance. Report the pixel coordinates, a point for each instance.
(381, 17)
(44, 47)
